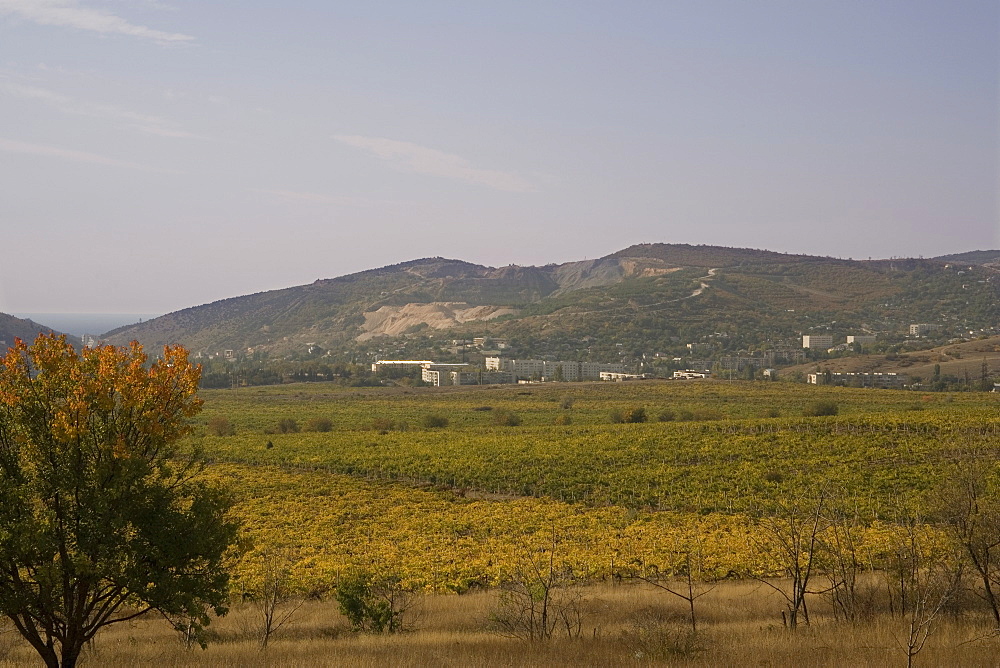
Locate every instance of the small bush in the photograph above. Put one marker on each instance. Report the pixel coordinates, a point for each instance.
(385, 425)
(219, 426)
(820, 408)
(566, 403)
(707, 414)
(506, 418)
(373, 604)
(432, 421)
(666, 415)
(563, 420)
(635, 415)
(483, 408)
(288, 426)
(772, 413)
(319, 424)
(629, 415)
(653, 640)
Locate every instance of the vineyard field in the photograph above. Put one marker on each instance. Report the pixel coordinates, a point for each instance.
(882, 445)
(255, 409)
(325, 525)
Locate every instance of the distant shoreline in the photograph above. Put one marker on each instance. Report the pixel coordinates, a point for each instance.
(79, 324)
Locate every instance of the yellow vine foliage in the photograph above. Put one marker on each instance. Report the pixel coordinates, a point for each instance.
(325, 525)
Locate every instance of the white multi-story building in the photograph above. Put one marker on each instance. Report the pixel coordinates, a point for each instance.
(431, 376)
(862, 339)
(480, 378)
(822, 341)
(544, 369)
(439, 374)
(877, 379)
(922, 329)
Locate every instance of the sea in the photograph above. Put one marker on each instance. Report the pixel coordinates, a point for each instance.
(79, 324)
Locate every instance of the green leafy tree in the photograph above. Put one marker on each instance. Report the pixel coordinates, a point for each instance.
(101, 518)
(373, 603)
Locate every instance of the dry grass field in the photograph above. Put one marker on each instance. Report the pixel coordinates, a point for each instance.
(624, 625)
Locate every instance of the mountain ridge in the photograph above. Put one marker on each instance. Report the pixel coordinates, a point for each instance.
(25, 329)
(645, 286)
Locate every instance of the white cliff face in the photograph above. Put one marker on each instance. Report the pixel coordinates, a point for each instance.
(395, 320)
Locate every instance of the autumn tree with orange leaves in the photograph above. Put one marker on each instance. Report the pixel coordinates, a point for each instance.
(102, 517)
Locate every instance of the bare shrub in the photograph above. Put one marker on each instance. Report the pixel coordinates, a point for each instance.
(273, 599)
(695, 580)
(506, 418)
(925, 584)
(385, 425)
(219, 426)
(791, 537)
(433, 421)
(657, 637)
(320, 424)
(821, 408)
(288, 426)
(634, 414)
(539, 598)
(665, 415)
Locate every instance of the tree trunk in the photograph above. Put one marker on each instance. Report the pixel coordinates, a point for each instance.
(70, 655)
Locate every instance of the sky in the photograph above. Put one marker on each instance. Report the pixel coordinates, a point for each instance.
(161, 154)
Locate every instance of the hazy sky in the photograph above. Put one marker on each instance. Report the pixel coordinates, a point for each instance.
(156, 154)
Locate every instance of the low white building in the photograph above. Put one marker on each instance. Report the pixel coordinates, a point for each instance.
(398, 363)
(618, 377)
(690, 375)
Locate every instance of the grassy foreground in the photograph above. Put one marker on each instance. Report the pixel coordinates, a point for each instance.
(460, 506)
(625, 625)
